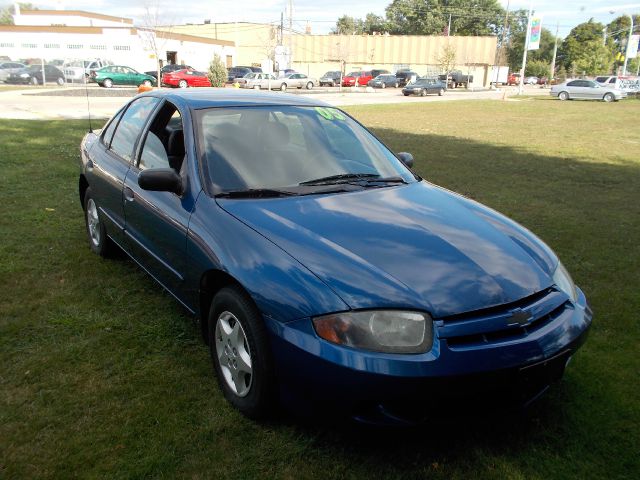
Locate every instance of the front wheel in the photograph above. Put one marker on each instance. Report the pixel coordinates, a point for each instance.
(384, 85)
(107, 83)
(283, 87)
(34, 81)
(397, 85)
(240, 352)
(423, 92)
(182, 84)
(563, 96)
(441, 92)
(147, 83)
(96, 233)
(608, 97)
(309, 85)
(60, 81)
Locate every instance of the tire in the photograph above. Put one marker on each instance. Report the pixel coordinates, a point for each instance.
(384, 85)
(96, 232)
(423, 92)
(60, 81)
(283, 87)
(183, 84)
(34, 81)
(405, 94)
(240, 352)
(397, 85)
(107, 83)
(441, 92)
(309, 85)
(147, 83)
(608, 97)
(256, 87)
(563, 96)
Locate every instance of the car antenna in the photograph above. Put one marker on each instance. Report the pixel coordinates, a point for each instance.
(86, 91)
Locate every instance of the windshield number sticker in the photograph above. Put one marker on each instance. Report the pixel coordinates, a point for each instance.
(330, 113)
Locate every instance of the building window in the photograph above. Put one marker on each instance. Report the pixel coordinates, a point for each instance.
(51, 45)
(74, 47)
(6, 45)
(29, 45)
(98, 47)
(122, 47)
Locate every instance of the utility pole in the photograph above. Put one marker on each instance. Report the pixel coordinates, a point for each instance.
(626, 53)
(526, 48)
(290, 33)
(498, 56)
(555, 51)
(281, 28)
(449, 27)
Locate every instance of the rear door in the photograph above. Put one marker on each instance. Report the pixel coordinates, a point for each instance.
(111, 160)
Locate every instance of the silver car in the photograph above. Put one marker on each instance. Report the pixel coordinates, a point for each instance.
(260, 80)
(586, 90)
(9, 67)
(297, 80)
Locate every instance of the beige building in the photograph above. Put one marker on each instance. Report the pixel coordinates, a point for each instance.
(316, 54)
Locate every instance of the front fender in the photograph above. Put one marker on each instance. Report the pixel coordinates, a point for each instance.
(282, 288)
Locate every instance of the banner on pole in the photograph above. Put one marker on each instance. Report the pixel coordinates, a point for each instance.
(633, 46)
(534, 33)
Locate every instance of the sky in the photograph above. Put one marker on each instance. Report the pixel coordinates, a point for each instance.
(322, 14)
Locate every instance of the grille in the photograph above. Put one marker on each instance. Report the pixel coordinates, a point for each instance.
(493, 325)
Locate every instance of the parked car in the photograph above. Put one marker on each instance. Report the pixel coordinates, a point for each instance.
(172, 67)
(543, 80)
(531, 80)
(258, 81)
(297, 80)
(330, 79)
(33, 75)
(586, 90)
(384, 80)
(424, 86)
(237, 72)
(357, 78)
(187, 77)
(79, 70)
(456, 78)
(406, 76)
(120, 75)
(513, 79)
(347, 282)
(9, 67)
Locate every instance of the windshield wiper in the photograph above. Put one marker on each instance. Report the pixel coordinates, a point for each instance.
(256, 193)
(340, 178)
(396, 179)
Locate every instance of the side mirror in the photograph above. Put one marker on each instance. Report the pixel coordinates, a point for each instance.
(406, 158)
(160, 180)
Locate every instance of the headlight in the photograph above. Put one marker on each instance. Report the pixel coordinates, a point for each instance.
(563, 281)
(388, 331)
(24, 75)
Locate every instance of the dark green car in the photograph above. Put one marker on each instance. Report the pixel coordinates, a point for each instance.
(120, 75)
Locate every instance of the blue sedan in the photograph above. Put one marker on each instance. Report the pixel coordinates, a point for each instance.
(327, 276)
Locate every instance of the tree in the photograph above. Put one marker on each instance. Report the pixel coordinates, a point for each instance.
(447, 58)
(347, 25)
(6, 13)
(537, 68)
(583, 52)
(415, 17)
(617, 33)
(217, 72)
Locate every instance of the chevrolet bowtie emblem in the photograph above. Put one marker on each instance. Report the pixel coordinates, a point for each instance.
(519, 317)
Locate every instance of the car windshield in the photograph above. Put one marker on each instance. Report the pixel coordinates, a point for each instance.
(285, 146)
(354, 74)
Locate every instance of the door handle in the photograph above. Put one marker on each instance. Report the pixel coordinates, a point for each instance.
(128, 194)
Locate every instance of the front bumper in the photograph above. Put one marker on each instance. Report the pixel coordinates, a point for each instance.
(457, 377)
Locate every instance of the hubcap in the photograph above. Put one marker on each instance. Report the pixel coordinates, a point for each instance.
(234, 356)
(93, 222)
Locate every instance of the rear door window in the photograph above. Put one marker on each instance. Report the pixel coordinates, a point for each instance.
(132, 123)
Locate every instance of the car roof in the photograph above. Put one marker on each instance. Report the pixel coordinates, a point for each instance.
(228, 97)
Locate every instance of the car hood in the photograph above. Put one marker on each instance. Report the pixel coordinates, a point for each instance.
(410, 246)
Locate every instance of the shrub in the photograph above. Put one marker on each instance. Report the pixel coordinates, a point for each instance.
(217, 72)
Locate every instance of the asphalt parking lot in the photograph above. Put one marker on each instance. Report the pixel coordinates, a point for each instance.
(70, 102)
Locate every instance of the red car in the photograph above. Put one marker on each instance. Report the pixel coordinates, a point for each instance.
(187, 77)
(361, 77)
(513, 79)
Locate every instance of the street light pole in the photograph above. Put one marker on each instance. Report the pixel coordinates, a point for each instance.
(526, 47)
(626, 53)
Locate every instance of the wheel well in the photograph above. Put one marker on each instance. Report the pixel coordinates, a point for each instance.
(211, 283)
(82, 188)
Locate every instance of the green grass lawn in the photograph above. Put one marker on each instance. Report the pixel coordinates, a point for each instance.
(103, 375)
